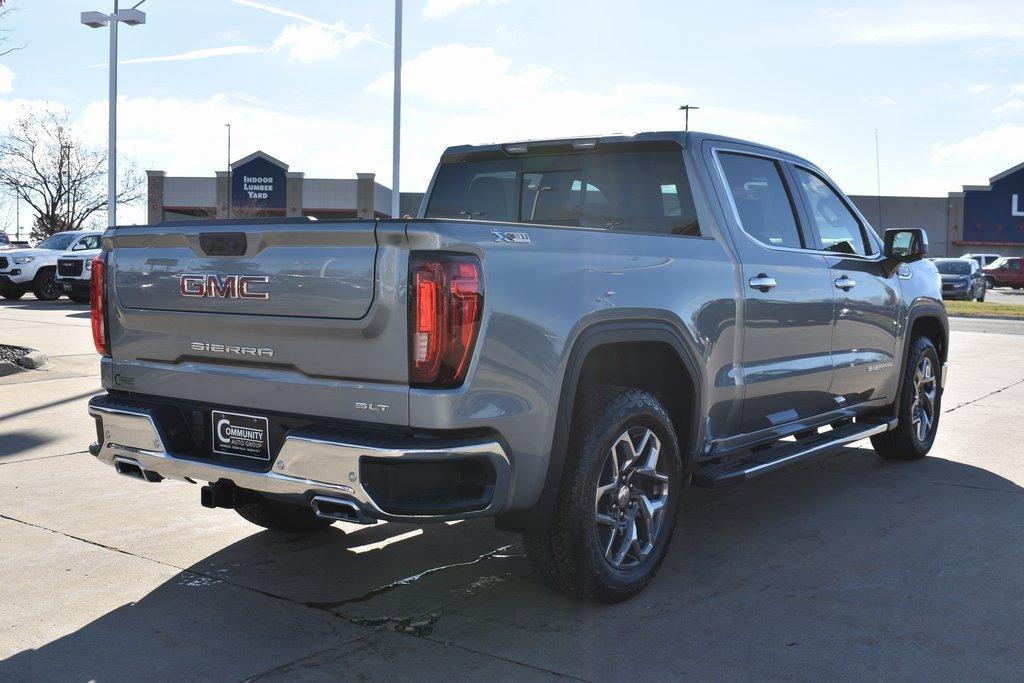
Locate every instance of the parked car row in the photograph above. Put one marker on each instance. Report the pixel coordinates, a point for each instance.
(962, 278)
(60, 264)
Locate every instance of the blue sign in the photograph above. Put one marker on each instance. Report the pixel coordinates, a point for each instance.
(258, 184)
(996, 214)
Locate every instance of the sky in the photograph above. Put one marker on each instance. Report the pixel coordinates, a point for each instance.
(309, 81)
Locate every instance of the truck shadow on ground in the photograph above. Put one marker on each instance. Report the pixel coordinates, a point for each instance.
(847, 566)
(33, 304)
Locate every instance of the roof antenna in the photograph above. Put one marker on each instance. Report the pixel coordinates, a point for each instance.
(687, 108)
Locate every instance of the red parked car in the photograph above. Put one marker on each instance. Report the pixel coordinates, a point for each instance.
(1005, 272)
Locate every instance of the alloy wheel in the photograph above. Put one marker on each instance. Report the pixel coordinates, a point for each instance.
(922, 411)
(631, 498)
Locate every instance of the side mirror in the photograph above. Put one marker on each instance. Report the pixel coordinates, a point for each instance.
(906, 244)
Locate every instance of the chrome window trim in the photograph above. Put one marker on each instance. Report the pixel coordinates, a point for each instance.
(716, 150)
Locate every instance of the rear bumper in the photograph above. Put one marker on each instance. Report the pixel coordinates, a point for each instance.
(309, 464)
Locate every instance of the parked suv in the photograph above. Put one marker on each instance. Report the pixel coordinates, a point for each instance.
(961, 279)
(982, 259)
(74, 272)
(35, 270)
(568, 335)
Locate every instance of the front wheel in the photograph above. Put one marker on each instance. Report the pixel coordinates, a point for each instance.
(278, 516)
(617, 501)
(45, 285)
(981, 295)
(920, 406)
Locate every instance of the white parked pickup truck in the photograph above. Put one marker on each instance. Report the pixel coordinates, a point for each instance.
(35, 270)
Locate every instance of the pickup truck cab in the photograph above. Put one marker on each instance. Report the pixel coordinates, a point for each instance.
(35, 270)
(1005, 272)
(569, 334)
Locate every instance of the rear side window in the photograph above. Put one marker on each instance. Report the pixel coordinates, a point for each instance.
(838, 228)
(762, 203)
(629, 191)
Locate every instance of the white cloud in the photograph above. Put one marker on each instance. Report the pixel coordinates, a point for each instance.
(926, 22)
(6, 79)
(977, 158)
(186, 137)
(457, 94)
(338, 27)
(1010, 107)
(977, 88)
(435, 9)
(1017, 89)
(308, 43)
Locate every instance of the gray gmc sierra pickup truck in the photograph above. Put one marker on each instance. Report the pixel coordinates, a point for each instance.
(569, 333)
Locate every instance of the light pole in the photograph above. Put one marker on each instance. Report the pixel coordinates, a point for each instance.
(686, 108)
(228, 126)
(397, 123)
(131, 17)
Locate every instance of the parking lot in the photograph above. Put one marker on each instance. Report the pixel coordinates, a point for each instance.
(848, 567)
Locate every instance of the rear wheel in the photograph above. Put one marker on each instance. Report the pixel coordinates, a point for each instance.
(45, 285)
(981, 295)
(13, 295)
(278, 516)
(920, 406)
(617, 502)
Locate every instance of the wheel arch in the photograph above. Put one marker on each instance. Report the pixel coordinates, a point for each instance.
(656, 340)
(930, 320)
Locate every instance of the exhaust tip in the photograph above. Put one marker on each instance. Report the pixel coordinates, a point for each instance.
(131, 468)
(340, 510)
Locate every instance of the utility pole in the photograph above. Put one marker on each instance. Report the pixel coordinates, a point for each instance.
(878, 176)
(229, 169)
(396, 140)
(686, 108)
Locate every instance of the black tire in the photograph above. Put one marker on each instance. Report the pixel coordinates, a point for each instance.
(12, 296)
(981, 297)
(278, 516)
(991, 282)
(905, 442)
(79, 298)
(45, 285)
(570, 554)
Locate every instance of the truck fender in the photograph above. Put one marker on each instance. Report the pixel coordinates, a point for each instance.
(593, 336)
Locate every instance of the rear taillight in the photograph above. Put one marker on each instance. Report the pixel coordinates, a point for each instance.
(446, 301)
(98, 307)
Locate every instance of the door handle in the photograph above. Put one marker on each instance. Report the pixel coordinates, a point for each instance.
(845, 283)
(762, 282)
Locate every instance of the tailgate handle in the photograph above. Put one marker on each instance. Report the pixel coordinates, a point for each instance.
(223, 243)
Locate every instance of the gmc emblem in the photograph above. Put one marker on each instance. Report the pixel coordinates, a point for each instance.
(228, 287)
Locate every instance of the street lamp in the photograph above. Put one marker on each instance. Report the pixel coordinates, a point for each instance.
(396, 129)
(131, 17)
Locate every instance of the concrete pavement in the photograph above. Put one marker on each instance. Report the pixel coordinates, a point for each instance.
(848, 567)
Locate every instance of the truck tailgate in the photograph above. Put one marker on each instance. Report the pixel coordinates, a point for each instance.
(282, 316)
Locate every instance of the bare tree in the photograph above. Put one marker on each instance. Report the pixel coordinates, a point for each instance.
(5, 32)
(62, 179)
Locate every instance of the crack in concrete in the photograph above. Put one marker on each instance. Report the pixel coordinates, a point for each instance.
(982, 398)
(44, 457)
(496, 554)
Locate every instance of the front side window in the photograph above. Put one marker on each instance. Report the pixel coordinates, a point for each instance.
(60, 240)
(838, 228)
(89, 242)
(628, 191)
(762, 202)
(954, 267)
